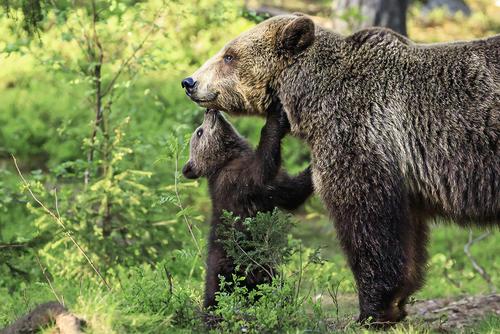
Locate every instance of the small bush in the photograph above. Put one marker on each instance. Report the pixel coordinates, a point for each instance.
(257, 242)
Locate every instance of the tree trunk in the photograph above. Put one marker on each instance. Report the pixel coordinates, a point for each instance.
(382, 13)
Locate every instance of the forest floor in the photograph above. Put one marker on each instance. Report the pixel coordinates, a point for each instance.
(440, 315)
(455, 314)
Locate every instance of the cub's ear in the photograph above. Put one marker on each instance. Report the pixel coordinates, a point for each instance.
(188, 171)
(297, 35)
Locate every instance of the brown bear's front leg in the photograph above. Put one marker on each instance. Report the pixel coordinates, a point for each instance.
(415, 275)
(368, 202)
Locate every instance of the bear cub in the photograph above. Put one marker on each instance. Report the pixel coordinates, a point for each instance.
(243, 181)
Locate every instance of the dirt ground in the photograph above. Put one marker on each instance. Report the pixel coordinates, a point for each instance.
(443, 315)
(455, 314)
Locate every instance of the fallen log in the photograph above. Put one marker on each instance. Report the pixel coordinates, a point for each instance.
(44, 315)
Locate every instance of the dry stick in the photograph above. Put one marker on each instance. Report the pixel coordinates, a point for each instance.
(170, 283)
(476, 265)
(60, 223)
(44, 272)
(299, 282)
(13, 245)
(132, 56)
(179, 203)
(57, 203)
(454, 282)
(334, 295)
(98, 95)
(251, 259)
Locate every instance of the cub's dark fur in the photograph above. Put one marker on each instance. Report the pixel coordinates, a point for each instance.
(243, 181)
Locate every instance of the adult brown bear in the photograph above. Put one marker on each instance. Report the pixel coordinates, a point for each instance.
(399, 133)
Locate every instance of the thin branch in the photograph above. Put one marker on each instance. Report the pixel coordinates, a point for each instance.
(251, 259)
(16, 271)
(60, 223)
(334, 295)
(299, 281)
(97, 83)
(476, 265)
(126, 62)
(44, 272)
(454, 282)
(179, 203)
(170, 284)
(57, 203)
(17, 245)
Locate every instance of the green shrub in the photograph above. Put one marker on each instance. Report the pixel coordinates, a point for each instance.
(257, 242)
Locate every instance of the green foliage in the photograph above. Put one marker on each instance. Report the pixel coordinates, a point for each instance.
(32, 12)
(152, 291)
(257, 242)
(111, 217)
(129, 208)
(271, 308)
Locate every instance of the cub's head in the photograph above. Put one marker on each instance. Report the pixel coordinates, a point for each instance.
(213, 144)
(240, 77)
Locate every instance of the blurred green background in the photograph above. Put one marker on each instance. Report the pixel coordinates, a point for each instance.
(92, 109)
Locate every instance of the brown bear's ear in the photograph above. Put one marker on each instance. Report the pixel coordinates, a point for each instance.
(297, 35)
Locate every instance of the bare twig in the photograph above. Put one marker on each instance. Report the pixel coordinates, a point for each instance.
(169, 278)
(97, 86)
(57, 203)
(60, 223)
(17, 271)
(454, 282)
(251, 259)
(299, 281)
(126, 62)
(180, 206)
(170, 284)
(102, 92)
(44, 272)
(334, 295)
(14, 245)
(476, 265)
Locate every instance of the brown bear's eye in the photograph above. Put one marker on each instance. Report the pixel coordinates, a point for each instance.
(228, 59)
(199, 133)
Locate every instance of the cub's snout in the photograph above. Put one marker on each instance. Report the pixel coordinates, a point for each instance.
(189, 172)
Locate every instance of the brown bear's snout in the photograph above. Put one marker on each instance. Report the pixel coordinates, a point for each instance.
(189, 85)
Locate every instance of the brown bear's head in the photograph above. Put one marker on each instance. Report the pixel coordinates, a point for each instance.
(240, 77)
(213, 144)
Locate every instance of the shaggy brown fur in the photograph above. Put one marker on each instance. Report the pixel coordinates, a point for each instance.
(242, 181)
(399, 133)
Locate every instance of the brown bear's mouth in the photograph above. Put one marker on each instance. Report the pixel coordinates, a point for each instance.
(210, 98)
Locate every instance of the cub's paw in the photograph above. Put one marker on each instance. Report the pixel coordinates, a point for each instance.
(284, 123)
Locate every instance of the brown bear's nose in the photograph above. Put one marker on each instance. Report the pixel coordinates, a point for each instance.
(188, 84)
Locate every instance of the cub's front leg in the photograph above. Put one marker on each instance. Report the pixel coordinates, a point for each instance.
(268, 153)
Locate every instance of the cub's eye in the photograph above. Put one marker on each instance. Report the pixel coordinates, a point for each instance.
(199, 133)
(228, 59)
